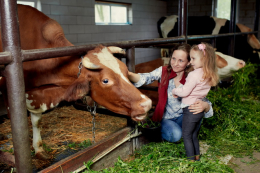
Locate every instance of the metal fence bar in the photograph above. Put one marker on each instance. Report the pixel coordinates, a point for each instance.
(15, 86)
(35, 54)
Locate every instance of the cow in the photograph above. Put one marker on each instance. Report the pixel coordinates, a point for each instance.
(50, 81)
(247, 47)
(227, 65)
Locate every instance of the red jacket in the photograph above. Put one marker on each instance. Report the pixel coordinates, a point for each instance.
(162, 93)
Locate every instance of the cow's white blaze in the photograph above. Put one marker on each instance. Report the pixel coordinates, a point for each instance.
(232, 65)
(108, 60)
(143, 96)
(219, 24)
(37, 140)
(168, 25)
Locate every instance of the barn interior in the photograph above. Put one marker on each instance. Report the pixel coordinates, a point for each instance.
(82, 27)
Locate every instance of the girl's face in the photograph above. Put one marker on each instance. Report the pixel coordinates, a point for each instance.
(195, 57)
(179, 61)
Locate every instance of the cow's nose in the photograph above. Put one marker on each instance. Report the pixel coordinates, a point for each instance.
(241, 64)
(147, 104)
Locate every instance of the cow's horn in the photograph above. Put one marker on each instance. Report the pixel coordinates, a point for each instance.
(115, 49)
(89, 65)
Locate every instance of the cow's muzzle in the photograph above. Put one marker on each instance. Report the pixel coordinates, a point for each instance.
(144, 107)
(241, 64)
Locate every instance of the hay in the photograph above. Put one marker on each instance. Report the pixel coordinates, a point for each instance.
(66, 125)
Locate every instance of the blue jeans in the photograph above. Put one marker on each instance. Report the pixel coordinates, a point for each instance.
(172, 129)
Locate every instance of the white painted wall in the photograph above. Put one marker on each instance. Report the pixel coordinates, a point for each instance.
(78, 22)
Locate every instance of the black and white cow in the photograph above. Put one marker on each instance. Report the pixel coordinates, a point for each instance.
(247, 47)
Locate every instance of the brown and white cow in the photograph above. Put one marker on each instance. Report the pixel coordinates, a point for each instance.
(227, 65)
(49, 81)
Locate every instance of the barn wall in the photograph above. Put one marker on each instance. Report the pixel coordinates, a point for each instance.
(247, 13)
(78, 21)
(195, 7)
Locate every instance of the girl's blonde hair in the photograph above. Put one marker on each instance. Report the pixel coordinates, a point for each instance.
(209, 63)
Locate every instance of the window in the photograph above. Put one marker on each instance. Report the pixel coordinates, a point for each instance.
(33, 3)
(223, 9)
(111, 13)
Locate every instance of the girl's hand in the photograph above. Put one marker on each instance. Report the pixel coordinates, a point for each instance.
(199, 106)
(175, 96)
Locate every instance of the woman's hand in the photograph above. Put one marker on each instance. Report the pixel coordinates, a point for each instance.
(199, 106)
(133, 77)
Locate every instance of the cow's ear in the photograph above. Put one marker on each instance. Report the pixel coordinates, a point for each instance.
(77, 90)
(221, 62)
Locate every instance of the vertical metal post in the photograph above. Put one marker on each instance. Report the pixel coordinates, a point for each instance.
(180, 18)
(232, 26)
(182, 22)
(256, 22)
(15, 86)
(130, 60)
(130, 63)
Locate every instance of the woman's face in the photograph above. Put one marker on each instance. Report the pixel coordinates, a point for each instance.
(179, 61)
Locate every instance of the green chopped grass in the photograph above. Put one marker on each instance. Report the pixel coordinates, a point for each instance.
(234, 129)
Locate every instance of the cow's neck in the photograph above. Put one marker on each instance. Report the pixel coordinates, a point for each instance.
(57, 71)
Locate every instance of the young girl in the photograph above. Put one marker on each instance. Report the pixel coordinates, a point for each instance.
(197, 86)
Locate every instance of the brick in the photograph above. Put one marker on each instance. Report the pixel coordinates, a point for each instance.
(109, 28)
(76, 29)
(111, 37)
(68, 20)
(46, 9)
(68, 2)
(250, 14)
(84, 38)
(55, 17)
(76, 10)
(65, 29)
(100, 37)
(194, 8)
(86, 3)
(72, 38)
(91, 28)
(59, 10)
(89, 12)
(84, 20)
(54, 2)
(247, 6)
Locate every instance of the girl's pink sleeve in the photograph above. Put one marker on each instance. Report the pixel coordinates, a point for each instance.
(190, 84)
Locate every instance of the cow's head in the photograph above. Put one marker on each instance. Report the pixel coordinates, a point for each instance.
(105, 79)
(227, 65)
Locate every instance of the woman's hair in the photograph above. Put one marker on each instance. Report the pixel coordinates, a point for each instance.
(185, 48)
(208, 58)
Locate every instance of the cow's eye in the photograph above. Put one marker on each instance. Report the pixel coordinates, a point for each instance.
(105, 81)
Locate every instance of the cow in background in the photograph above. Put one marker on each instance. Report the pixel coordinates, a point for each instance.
(247, 47)
(50, 81)
(227, 65)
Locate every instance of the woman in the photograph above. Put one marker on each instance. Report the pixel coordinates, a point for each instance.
(168, 110)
